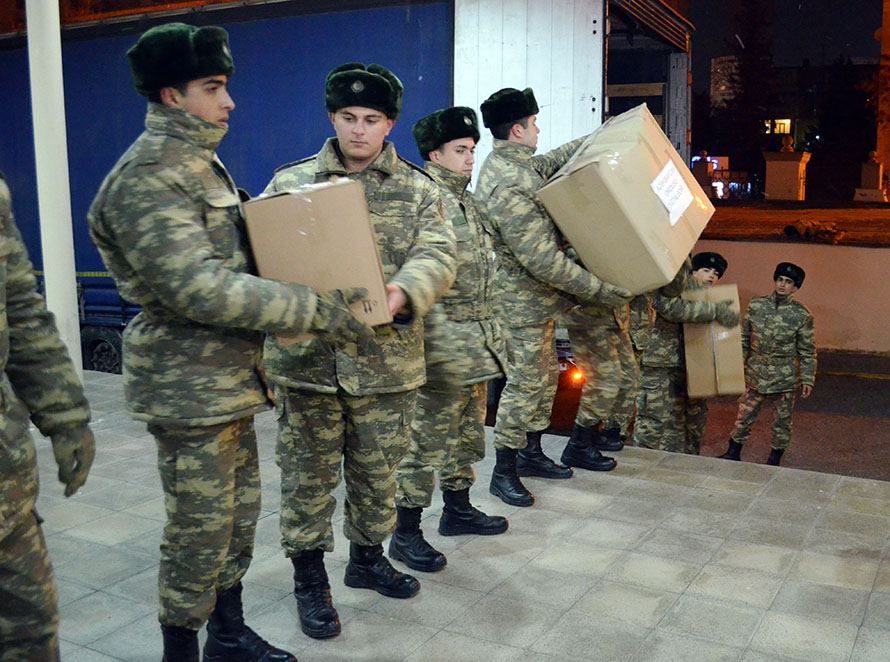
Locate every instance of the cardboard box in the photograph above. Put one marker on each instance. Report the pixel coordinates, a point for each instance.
(714, 361)
(320, 236)
(628, 204)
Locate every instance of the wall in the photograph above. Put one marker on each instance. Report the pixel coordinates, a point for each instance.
(553, 46)
(847, 288)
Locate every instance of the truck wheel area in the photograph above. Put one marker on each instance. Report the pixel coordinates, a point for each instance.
(102, 348)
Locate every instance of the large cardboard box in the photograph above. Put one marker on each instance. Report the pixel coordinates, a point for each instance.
(320, 236)
(628, 204)
(714, 361)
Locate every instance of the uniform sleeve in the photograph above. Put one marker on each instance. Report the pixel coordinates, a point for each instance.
(806, 351)
(547, 164)
(429, 268)
(38, 366)
(746, 333)
(161, 234)
(675, 309)
(531, 237)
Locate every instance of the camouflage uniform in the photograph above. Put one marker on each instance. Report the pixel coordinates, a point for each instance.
(779, 346)
(349, 403)
(603, 350)
(167, 221)
(667, 418)
(39, 381)
(464, 349)
(536, 282)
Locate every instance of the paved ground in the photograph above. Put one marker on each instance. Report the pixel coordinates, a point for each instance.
(669, 557)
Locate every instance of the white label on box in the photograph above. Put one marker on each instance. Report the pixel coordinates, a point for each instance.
(672, 191)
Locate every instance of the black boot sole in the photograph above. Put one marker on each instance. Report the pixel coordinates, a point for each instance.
(320, 633)
(536, 473)
(460, 530)
(589, 467)
(611, 448)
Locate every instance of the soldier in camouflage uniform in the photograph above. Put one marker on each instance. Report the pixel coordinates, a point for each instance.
(667, 418)
(778, 341)
(40, 382)
(168, 223)
(464, 350)
(350, 405)
(536, 283)
(603, 350)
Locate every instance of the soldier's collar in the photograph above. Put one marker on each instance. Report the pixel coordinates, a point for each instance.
(184, 125)
(513, 150)
(453, 180)
(330, 162)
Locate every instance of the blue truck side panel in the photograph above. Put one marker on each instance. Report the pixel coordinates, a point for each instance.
(278, 88)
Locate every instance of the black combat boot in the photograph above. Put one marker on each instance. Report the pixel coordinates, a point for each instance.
(230, 640)
(608, 439)
(734, 452)
(460, 518)
(410, 547)
(531, 460)
(505, 483)
(318, 618)
(579, 451)
(368, 568)
(180, 644)
(775, 456)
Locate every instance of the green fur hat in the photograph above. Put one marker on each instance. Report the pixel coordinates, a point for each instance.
(508, 105)
(444, 126)
(176, 53)
(354, 84)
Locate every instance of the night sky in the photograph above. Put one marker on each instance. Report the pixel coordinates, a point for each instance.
(820, 30)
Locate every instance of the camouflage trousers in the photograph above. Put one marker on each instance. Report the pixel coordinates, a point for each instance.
(606, 358)
(532, 376)
(749, 407)
(29, 617)
(211, 481)
(318, 433)
(448, 436)
(667, 418)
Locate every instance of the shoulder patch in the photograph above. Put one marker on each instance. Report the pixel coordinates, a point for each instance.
(294, 163)
(415, 167)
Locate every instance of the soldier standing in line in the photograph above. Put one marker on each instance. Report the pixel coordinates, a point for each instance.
(604, 352)
(778, 341)
(536, 283)
(465, 349)
(38, 382)
(667, 419)
(168, 223)
(352, 404)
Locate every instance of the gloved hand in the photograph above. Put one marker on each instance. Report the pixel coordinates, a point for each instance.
(725, 314)
(334, 320)
(612, 296)
(74, 451)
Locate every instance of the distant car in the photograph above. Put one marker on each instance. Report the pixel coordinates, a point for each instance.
(568, 389)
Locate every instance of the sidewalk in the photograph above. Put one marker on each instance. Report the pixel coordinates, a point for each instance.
(669, 557)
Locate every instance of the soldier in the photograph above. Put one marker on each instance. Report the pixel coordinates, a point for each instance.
(168, 223)
(667, 419)
(353, 403)
(778, 341)
(536, 282)
(464, 348)
(38, 381)
(604, 352)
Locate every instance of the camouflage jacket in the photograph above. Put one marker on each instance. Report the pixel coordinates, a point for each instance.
(664, 348)
(38, 381)
(416, 247)
(599, 317)
(642, 318)
(779, 345)
(536, 280)
(463, 337)
(167, 221)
